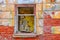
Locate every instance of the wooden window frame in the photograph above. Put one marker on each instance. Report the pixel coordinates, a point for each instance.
(16, 33)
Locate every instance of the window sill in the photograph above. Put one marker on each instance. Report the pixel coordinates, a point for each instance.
(25, 35)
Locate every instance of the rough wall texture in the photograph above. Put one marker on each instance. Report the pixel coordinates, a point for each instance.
(47, 20)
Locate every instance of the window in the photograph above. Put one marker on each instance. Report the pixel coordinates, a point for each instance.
(25, 20)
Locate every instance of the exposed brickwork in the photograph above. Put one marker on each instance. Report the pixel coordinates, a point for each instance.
(7, 33)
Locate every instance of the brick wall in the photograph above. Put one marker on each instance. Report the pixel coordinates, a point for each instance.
(7, 33)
